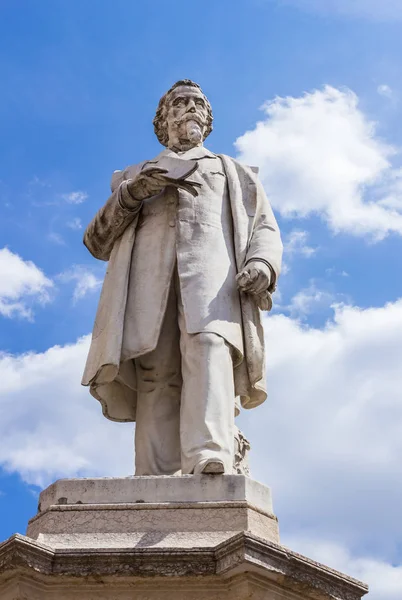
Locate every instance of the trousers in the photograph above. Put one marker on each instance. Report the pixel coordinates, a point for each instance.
(185, 398)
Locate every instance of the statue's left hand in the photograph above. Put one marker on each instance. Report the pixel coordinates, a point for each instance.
(255, 278)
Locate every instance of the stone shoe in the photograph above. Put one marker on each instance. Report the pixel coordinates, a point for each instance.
(213, 467)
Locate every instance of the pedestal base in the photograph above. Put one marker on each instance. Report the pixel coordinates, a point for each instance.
(164, 512)
(170, 538)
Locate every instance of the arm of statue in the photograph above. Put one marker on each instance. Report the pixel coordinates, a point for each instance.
(263, 261)
(120, 210)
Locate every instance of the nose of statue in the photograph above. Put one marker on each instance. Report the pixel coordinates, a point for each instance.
(191, 106)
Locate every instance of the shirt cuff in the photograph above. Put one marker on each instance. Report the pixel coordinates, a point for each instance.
(126, 200)
(272, 285)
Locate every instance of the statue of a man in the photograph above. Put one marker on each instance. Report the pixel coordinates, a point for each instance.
(178, 334)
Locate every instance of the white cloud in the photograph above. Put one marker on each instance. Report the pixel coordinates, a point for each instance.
(21, 284)
(308, 300)
(74, 224)
(384, 579)
(85, 281)
(36, 181)
(330, 271)
(329, 439)
(371, 9)
(50, 425)
(319, 154)
(296, 244)
(385, 90)
(56, 238)
(75, 197)
(392, 194)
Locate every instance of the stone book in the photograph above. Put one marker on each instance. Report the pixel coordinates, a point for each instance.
(175, 171)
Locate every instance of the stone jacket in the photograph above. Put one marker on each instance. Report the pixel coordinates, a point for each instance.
(196, 235)
(210, 238)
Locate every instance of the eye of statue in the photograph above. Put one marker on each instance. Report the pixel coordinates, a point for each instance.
(199, 101)
(178, 101)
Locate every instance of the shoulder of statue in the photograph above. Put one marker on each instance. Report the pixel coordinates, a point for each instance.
(250, 171)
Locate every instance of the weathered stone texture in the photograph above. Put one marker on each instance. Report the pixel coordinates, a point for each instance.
(150, 508)
(241, 568)
(223, 547)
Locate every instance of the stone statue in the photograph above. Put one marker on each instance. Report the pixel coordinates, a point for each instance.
(192, 260)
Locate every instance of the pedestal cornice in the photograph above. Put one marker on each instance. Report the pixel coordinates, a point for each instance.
(243, 553)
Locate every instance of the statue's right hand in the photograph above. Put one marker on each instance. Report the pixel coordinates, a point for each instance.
(147, 184)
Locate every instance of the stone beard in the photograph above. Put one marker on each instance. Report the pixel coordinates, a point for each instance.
(194, 132)
(178, 334)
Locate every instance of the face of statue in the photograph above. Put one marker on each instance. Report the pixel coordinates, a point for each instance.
(186, 117)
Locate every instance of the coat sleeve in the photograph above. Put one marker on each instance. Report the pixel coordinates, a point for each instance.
(265, 241)
(111, 220)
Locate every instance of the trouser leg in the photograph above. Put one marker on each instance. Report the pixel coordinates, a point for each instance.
(157, 435)
(207, 399)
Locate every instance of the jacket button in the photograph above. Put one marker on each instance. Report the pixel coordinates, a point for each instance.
(172, 223)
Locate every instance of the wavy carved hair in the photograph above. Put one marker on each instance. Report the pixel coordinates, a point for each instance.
(159, 122)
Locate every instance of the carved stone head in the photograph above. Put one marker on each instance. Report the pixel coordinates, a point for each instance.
(184, 115)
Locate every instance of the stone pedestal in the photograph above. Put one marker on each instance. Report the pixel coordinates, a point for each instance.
(170, 538)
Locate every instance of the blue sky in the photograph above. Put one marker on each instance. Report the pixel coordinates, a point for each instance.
(311, 93)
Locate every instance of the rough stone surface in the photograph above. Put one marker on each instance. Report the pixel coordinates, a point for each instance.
(243, 567)
(187, 488)
(220, 547)
(148, 510)
(150, 518)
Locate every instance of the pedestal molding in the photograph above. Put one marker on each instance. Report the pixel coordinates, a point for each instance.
(240, 554)
(251, 549)
(152, 506)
